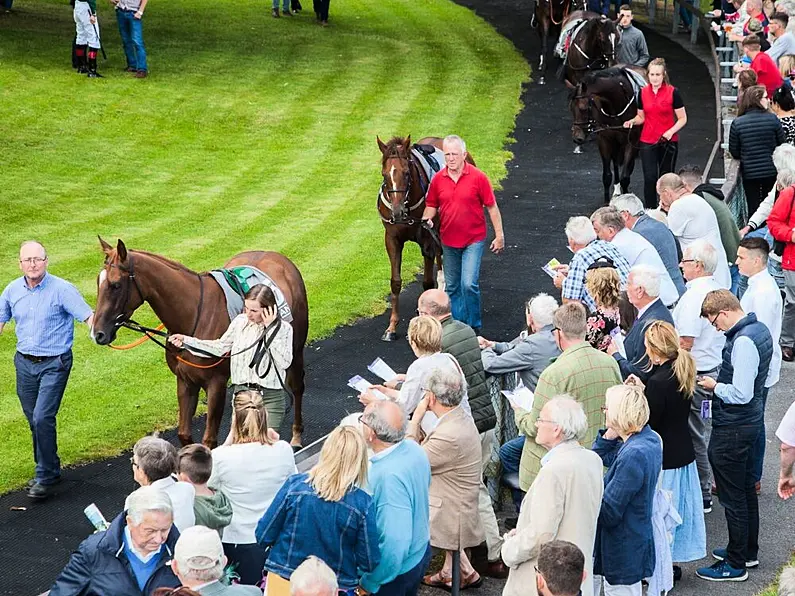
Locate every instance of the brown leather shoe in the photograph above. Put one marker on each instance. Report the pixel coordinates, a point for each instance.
(141, 74)
(497, 569)
(787, 354)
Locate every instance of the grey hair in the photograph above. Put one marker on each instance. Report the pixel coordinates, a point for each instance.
(786, 583)
(648, 278)
(157, 458)
(579, 230)
(567, 413)
(354, 420)
(608, 217)
(628, 202)
(657, 214)
(572, 320)
(313, 577)
(703, 252)
(376, 420)
(784, 157)
(201, 575)
(542, 308)
(785, 178)
(455, 139)
(447, 385)
(147, 499)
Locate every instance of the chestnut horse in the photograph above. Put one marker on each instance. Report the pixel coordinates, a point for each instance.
(194, 304)
(401, 202)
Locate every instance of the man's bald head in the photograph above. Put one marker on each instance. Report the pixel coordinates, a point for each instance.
(32, 248)
(386, 420)
(435, 303)
(670, 181)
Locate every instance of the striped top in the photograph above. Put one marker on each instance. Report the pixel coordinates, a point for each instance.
(44, 314)
(240, 335)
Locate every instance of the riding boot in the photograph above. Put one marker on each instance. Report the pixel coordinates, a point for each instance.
(92, 64)
(80, 54)
(75, 62)
(295, 5)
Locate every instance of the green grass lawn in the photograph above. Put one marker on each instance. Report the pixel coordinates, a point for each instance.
(250, 133)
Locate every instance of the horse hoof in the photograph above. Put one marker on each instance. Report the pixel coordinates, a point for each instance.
(578, 150)
(389, 336)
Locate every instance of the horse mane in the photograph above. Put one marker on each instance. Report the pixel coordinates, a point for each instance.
(606, 73)
(393, 145)
(164, 260)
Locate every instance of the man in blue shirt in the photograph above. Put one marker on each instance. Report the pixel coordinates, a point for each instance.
(43, 307)
(737, 414)
(400, 478)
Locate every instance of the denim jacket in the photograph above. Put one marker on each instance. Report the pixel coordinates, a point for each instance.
(343, 534)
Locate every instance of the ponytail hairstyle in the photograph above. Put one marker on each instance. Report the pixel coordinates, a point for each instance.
(662, 343)
(250, 418)
(660, 62)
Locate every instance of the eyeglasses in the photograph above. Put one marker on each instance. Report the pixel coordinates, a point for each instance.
(132, 461)
(540, 420)
(33, 260)
(712, 321)
(688, 261)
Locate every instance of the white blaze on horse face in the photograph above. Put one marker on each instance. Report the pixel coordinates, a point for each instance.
(613, 43)
(392, 178)
(103, 277)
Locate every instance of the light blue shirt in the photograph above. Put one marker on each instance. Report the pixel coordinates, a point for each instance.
(400, 482)
(44, 314)
(745, 360)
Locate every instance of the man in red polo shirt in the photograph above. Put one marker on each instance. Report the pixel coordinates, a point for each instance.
(459, 193)
(764, 66)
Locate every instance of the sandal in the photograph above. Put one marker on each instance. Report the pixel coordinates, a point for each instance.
(437, 580)
(473, 580)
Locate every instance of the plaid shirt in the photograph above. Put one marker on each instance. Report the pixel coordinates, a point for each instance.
(574, 284)
(584, 373)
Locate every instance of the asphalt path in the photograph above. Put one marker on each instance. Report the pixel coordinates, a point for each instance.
(545, 186)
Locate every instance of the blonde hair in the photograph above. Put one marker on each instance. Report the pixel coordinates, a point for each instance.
(662, 341)
(660, 62)
(250, 418)
(342, 465)
(786, 64)
(425, 333)
(717, 301)
(604, 286)
(627, 409)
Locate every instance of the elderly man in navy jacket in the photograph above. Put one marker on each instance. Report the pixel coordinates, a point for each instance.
(643, 291)
(131, 557)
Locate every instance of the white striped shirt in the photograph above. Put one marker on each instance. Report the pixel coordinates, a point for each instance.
(240, 335)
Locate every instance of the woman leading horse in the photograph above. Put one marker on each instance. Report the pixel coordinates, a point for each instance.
(193, 304)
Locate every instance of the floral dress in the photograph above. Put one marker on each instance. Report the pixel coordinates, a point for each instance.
(600, 327)
(788, 124)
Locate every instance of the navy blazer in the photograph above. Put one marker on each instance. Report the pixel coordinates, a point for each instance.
(636, 361)
(663, 239)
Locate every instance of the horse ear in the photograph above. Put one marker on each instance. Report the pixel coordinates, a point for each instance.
(381, 145)
(407, 143)
(121, 250)
(106, 248)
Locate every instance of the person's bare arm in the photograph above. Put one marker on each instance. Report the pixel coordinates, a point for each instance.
(786, 481)
(496, 220)
(1, 327)
(429, 213)
(686, 343)
(681, 120)
(140, 12)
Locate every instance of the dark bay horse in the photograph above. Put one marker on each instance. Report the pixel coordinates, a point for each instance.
(401, 202)
(592, 47)
(194, 304)
(550, 15)
(600, 103)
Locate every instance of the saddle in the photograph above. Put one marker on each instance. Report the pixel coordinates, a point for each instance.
(638, 80)
(567, 33)
(237, 281)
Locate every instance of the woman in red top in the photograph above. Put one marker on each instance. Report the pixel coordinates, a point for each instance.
(781, 223)
(661, 111)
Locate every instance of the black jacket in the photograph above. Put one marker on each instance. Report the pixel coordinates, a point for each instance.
(99, 567)
(460, 341)
(752, 139)
(669, 412)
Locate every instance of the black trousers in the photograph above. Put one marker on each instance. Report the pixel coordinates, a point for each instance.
(321, 9)
(657, 159)
(248, 559)
(756, 189)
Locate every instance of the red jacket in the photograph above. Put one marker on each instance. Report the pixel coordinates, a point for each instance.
(781, 223)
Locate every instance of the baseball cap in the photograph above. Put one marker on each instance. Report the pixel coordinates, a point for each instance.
(198, 541)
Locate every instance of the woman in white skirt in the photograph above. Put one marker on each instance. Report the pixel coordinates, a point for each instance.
(669, 390)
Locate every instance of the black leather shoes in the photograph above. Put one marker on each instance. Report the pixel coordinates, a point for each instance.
(41, 491)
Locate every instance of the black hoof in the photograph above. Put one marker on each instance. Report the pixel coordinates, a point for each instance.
(389, 336)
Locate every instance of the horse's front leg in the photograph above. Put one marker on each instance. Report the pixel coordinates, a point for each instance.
(295, 381)
(188, 400)
(216, 402)
(607, 176)
(542, 62)
(628, 164)
(428, 281)
(394, 248)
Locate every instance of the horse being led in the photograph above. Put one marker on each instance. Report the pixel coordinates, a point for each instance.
(548, 16)
(194, 304)
(401, 202)
(601, 103)
(592, 45)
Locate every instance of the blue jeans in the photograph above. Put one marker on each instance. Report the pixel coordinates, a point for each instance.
(407, 584)
(285, 5)
(461, 274)
(6, 4)
(132, 38)
(510, 457)
(40, 387)
(758, 452)
(599, 6)
(687, 20)
(731, 457)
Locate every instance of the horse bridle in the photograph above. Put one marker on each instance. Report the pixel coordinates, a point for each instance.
(384, 198)
(125, 320)
(590, 124)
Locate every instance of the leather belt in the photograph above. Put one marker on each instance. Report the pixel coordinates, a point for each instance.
(36, 359)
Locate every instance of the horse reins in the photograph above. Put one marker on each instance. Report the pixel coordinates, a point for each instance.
(384, 200)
